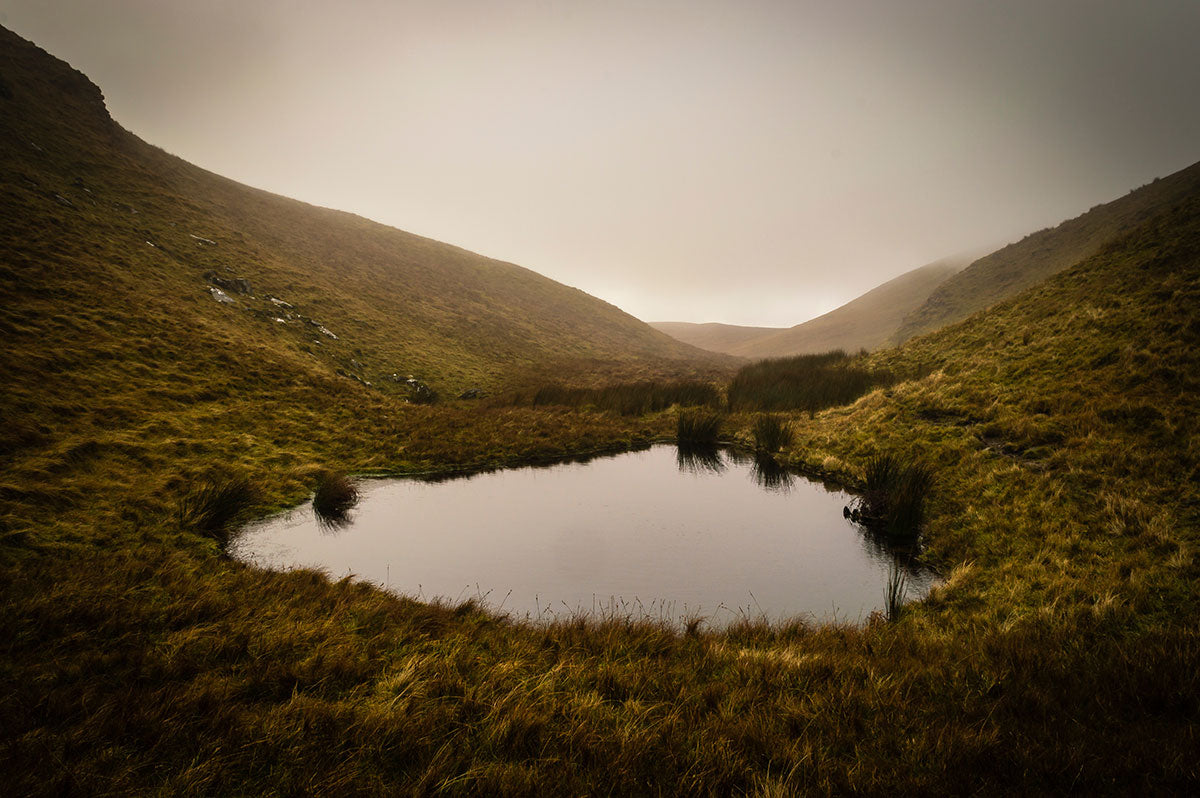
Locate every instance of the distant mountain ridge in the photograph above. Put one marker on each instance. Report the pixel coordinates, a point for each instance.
(714, 336)
(950, 290)
(866, 322)
(1018, 266)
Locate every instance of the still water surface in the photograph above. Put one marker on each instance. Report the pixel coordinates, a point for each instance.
(642, 533)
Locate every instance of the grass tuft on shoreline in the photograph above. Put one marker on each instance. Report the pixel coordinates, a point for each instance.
(698, 428)
(335, 496)
(213, 507)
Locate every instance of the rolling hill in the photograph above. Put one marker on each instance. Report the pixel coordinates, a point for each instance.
(949, 290)
(863, 323)
(714, 336)
(1015, 267)
(233, 281)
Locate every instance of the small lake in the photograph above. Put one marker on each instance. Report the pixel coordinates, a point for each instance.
(646, 533)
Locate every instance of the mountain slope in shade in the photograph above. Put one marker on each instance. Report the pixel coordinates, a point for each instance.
(1018, 266)
(126, 265)
(863, 323)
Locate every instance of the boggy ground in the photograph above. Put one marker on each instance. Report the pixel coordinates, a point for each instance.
(1059, 656)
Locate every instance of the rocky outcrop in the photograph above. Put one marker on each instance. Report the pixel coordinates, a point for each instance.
(233, 285)
(220, 295)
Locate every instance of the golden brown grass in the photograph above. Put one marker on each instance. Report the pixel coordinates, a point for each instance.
(1058, 656)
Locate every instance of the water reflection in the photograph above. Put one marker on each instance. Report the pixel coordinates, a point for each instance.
(905, 550)
(771, 476)
(333, 523)
(535, 464)
(681, 533)
(694, 459)
(765, 472)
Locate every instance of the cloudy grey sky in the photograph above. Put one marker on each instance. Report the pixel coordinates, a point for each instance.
(749, 162)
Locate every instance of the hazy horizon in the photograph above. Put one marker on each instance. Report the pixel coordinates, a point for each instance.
(755, 163)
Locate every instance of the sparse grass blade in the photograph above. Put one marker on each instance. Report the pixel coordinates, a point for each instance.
(894, 592)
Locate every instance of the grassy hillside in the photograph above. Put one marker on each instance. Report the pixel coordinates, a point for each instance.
(97, 223)
(867, 322)
(713, 336)
(1039, 255)
(1058, 656)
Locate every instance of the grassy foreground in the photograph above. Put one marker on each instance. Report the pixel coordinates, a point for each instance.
(1058, 657)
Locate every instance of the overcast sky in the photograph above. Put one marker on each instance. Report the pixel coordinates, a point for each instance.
(745, 162)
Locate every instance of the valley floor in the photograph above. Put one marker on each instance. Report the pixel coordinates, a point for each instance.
(1058, 657)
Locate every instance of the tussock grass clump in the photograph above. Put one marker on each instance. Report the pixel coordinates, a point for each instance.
(880, 474)
(212, 507)
(771, 433)
(698, 427)
(336, 494)
(894, 500)
(805, 382)
(632, 398)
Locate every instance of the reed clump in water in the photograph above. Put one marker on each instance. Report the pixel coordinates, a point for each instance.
(894, 499)
(335, 496)
(771, 433)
